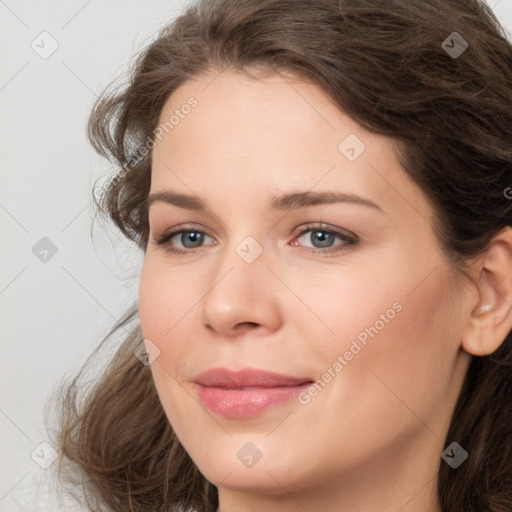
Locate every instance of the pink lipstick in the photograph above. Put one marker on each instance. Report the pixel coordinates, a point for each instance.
(247, 392)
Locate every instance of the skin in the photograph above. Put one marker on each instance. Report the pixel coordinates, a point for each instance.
(372, 438)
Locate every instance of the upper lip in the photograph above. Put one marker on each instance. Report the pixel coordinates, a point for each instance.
(223, 377)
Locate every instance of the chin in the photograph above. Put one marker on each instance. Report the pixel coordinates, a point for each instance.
(247, 466)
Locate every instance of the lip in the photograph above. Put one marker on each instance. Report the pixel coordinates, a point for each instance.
(247, 392)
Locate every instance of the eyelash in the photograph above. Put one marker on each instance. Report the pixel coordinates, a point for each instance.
(349, 241)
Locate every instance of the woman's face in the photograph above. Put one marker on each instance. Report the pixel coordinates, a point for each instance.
(300, 248)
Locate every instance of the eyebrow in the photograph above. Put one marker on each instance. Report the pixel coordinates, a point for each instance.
(280, 202)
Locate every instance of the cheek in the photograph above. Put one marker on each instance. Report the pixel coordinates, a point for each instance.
(403, 374)
(398, 342)
(169, 311)
(166, 298)
(165, 316)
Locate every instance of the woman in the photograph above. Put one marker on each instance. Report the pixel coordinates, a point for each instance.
(319, 189)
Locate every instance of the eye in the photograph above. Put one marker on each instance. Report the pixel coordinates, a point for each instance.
(317, 238)
(323, 239)
(184, 240)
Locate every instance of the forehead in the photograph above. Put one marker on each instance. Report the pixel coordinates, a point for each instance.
(277, 113)
(268, 134)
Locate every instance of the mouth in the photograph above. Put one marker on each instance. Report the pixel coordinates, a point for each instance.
(247, 378)
(248, 392)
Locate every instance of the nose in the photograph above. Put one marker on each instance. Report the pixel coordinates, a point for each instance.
(242, 298)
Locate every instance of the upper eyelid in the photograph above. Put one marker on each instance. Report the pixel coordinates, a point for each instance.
(296, 231)
(180, 228)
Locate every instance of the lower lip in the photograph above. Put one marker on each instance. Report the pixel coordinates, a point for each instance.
(244, 403)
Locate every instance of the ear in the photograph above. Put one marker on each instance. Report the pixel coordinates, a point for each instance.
(491, 318)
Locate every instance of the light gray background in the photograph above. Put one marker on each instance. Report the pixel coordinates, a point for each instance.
(55, 312)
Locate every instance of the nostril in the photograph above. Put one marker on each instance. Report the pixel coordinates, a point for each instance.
(247, 325)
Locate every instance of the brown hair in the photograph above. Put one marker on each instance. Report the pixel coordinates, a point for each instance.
(382, 62)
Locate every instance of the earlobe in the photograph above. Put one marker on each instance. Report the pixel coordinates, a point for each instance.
(490, 320)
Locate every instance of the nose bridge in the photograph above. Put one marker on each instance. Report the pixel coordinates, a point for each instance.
(240, 292)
